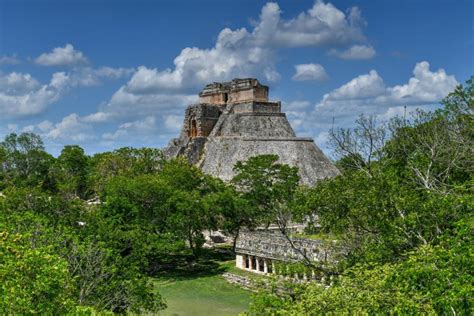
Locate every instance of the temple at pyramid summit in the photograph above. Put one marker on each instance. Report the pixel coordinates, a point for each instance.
(234, 121)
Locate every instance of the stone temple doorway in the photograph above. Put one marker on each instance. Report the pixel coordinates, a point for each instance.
(193, 130)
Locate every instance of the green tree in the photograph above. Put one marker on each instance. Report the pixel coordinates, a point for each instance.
(231, 211)
(188, 215)
(34, 281)
(404, 218)
(268, 186)
(70, 172)
(24, 161)
(125, 161)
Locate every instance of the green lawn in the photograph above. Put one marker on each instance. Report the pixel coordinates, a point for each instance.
(207, 295)
(196, 287)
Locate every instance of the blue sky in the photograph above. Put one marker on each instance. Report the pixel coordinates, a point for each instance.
(108, 74)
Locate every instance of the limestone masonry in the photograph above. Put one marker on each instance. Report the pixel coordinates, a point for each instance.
(234, 121)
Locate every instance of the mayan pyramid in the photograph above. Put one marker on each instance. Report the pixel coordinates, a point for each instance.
(234, 121)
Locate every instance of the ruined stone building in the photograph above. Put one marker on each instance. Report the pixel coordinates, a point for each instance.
(234, 121)
(258, 251)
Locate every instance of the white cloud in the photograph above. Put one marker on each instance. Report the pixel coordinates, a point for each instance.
(22, 95)
(306, 72)
(296, 105)
(9, 60)
(12, 127)
(71, 128)
(240, 52)
(369, 90)
(16, 83)
(354, 52)
(45, 126)
(244, 53)
(151, 103)
(97, 117)
(28, 129)
(87, 76)
(139, 125)
(62, 56)
(322, 139)
(321, 25)
(124, 104)
(362, 87)
(143, 127)
(368, 94)
(174, 122)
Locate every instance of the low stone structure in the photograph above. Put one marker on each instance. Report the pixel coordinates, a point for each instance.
(234, 121)
(258, 251)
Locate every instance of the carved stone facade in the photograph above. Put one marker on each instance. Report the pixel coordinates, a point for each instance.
(235, 91)
(234, 121)
(200, 119)
(258, 251)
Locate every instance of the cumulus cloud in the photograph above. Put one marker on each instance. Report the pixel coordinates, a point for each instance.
(137, 128)
(124, 104)
(23, 95)
(97, 117)
(369, 90)
(245, 53)
(241, 52)
(88, 76)
(369, 95)
(9, 60)
(323, 24)
(305, 72)
(151, 103)
(16, 83)
(62, 56)
(174, 122)
(297, 105)
(71, 128)
(354, 52)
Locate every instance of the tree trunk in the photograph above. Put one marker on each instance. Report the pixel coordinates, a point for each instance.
(234, 242)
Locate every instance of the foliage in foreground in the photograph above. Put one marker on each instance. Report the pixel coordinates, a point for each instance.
(430, 280)
(403, 208)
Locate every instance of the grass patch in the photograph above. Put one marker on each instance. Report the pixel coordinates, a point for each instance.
(193, 286)
(208, 295)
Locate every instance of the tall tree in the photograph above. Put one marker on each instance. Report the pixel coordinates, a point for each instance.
(70, 172)
(24, 161)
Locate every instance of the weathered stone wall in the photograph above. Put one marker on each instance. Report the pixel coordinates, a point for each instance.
(218, 98)
(222, 153)
(200, 119)
(277, 247)
(194, 150)
(240, 130)
(237, 90)
(257, 107)
(255, 125)
(257, 93)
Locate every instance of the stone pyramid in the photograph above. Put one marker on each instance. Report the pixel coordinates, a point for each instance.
(234, 121)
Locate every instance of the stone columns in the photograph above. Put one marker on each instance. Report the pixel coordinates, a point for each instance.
(254, 263)
(239, 261)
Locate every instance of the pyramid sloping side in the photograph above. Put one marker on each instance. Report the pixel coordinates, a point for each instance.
(222, 153)
(256, 125)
